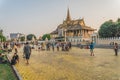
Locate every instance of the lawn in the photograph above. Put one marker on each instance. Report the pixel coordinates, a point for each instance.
(6, 72)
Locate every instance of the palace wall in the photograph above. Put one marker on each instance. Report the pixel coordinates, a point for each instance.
(108, 40)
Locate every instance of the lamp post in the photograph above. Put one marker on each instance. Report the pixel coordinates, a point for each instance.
(94, 37)
(65, 34)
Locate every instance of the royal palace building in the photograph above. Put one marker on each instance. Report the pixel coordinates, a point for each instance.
(73, 30)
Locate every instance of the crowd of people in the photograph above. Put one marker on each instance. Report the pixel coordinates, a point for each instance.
(63, 46)
(13, 47)
(27, 49)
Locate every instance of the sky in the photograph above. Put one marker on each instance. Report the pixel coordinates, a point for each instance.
(43, 16)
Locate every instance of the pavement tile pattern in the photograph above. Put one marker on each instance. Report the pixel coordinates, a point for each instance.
(75, 64)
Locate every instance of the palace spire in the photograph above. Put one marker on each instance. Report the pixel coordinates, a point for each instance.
(68, 18)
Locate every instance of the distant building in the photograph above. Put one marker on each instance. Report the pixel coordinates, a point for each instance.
(15, 36)
(73, 30)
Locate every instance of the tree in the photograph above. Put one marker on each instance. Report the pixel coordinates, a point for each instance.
(118, 20)
(22, 38)
(30, 37)
(46, 35)
(118, 28)
(110, 29)
(2, 37)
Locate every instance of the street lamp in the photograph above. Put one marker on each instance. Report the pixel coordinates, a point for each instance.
(65, 34)
(94, 37)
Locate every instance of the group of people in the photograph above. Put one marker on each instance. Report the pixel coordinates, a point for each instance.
(5, 47)
(64, 47)
(3, 58)
(26, 54)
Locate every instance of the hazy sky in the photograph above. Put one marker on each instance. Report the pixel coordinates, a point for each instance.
(43, 16)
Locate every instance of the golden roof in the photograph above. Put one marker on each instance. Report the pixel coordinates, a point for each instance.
(72, 24)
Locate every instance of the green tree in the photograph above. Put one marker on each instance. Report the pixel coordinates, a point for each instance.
(2, 37)
(118, 20)
(46, 35)
(22, 38)
(30, 36)
(109, 29)
(118, 28)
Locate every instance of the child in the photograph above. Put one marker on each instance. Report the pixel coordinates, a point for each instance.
(15, 59)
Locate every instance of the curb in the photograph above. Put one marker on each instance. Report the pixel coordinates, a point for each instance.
(14, 69)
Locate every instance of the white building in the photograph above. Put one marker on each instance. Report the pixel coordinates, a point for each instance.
(15, 36)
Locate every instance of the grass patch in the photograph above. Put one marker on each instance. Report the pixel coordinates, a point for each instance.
(6, 72)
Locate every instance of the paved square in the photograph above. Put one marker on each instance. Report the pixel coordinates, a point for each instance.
(77, 64)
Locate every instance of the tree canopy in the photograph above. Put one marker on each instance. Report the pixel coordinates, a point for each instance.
(22, 38)
(110, 29)
(2, 37)
(31, 36)
(46, 36)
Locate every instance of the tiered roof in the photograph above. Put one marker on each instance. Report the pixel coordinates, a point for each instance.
(72, 24)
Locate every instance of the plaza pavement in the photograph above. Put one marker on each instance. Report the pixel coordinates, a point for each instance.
(76, 64)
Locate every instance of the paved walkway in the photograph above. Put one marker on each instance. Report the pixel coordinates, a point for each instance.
(77, 64)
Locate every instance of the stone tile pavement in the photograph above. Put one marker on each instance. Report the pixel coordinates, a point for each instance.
(77, 64)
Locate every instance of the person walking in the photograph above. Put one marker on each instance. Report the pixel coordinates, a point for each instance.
(53, 47)
(116, 49)
(27, 52)
(57, 45)
(15, 47)
(92, 49)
